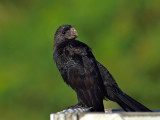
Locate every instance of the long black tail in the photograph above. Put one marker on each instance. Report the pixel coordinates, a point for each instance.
(114, 93)
(129, 104)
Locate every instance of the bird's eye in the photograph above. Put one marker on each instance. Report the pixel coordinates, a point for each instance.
(63, 32)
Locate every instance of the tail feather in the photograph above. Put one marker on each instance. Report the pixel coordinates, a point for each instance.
(129, 104)
(114, 93)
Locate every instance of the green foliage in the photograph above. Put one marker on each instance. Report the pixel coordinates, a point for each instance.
(124, 36)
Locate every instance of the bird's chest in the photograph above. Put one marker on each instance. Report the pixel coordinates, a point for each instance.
(65, 60)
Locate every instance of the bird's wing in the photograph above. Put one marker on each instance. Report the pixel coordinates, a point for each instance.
(107, 78)
(85, 79)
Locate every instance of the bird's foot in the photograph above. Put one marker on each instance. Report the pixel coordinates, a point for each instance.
(78, 105)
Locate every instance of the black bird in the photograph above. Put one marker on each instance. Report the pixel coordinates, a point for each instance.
(91, 81)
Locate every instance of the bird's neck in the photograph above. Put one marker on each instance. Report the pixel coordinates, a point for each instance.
(57, 42)
(60, 44)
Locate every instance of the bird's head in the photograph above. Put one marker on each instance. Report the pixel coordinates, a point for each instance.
(66, 32)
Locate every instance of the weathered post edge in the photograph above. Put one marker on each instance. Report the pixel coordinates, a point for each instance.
(109, 115)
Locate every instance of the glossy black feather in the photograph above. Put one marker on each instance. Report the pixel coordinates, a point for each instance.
(79, 70)
(88, 78)
(115, 94)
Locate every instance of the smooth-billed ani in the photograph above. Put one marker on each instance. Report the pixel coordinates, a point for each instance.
(91, 81)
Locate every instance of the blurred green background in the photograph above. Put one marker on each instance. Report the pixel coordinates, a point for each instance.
(124, 36)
